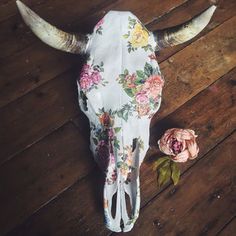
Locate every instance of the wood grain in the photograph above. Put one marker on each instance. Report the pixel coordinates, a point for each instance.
(229, 229)
(27, 71)
(37, 114)
(191, 115)
(81, 214)
(41, 172)
(72, 7)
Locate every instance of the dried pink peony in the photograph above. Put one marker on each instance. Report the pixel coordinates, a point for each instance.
(180, 144)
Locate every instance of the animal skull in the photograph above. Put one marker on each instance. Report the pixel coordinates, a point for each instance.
(119, 90)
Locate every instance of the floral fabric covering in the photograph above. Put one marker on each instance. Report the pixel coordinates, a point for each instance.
(120, 89)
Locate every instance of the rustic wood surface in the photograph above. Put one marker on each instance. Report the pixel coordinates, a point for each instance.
(49, 183)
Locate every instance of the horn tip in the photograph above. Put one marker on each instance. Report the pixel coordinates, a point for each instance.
(213, 7)
(20, 5)
(211, 10)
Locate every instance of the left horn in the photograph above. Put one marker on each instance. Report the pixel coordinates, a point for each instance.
(50, 35)
(182, 33)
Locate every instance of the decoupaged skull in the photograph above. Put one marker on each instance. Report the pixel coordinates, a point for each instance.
(119, 90)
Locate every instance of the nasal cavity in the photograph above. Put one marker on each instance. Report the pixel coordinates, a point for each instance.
(113, 205)
(128, 205)
(134, 144)
(128, 210)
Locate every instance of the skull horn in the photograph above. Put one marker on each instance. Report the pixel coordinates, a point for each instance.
(184, 32)
(50, 35)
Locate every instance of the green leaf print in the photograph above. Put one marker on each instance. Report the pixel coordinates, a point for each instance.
(129, 92)
(148, 70)
(140, 74)
(117, 129)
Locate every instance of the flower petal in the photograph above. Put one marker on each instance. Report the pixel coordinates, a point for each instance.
(182, 157)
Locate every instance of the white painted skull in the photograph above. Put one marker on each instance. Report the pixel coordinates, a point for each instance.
(119, 90)
(119, 93)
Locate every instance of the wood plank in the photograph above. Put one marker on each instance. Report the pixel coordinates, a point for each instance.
(40, 173)
(37, 114)
(197, 66)
(27, 71)
(81, 215)
(87, 219)
(8, 7)
(201, 203)
(146, 11)
(229, 230)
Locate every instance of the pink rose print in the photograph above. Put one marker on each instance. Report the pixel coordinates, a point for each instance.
(96, 77)
(145, 87)
(153, 85)
(142, 97)
(110, 133)
(85, 69)
(106, 143)
(90, 77)
(86, 82)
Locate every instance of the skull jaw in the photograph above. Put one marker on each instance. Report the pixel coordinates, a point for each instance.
(121, 221)
(127, 190)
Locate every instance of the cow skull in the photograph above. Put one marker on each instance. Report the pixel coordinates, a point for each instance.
(119, 90)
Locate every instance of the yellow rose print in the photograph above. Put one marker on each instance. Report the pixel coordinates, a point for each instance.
(139, 36)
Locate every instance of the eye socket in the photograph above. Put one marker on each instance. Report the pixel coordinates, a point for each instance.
(134, 144)
(128, 205)
(113, 205)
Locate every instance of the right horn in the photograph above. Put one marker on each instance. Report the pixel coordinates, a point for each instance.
(179, 34)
